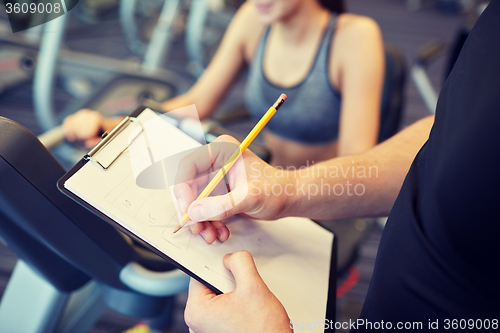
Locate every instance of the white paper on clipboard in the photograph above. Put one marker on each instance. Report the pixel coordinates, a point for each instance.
(292, 255)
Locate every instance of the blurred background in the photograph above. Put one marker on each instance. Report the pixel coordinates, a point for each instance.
(113, 55)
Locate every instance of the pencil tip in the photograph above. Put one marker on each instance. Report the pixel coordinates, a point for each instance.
(177, 228)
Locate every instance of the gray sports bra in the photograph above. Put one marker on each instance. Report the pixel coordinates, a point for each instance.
(312, 111)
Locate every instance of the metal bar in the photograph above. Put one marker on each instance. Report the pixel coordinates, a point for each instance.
(197, 16)
(424, 87)
(129, 26)
(159, 44)
(43, 81)
(53, 137)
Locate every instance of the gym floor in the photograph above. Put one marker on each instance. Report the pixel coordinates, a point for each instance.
(408, 30)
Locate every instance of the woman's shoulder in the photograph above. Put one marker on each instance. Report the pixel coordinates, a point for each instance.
(247, 20)
(355, 34)
(357, 39)
(358, 27)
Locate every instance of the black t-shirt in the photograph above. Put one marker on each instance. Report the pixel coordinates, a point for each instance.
(439, 256)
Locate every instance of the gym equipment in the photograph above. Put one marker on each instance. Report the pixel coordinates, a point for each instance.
(419, 75)
(435, 48)
(147, 79)
(16, 63)
(204, 30)
(133, 13)
(72, 265)
(16, 67)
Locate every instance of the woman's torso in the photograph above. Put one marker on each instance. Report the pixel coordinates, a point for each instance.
(306, 127)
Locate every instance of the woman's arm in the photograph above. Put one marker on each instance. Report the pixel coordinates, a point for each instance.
(215, 82)
(359, 67)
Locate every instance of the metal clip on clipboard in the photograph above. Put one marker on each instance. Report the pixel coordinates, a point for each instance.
(107, 138)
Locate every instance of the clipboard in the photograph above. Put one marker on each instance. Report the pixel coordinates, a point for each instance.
(293, 252)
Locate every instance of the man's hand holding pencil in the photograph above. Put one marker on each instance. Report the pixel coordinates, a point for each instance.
(222, 179)
(241, 194)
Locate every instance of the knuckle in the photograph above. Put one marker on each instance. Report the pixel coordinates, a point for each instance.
(223, 215)
(241, 255)
(227, 138)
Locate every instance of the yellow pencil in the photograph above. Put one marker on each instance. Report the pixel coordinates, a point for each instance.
(230, 162)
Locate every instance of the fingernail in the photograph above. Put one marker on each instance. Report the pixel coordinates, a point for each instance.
(204, 234)
(198, 213)
(219, 233)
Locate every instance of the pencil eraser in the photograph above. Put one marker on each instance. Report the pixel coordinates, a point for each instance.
(283, 97)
